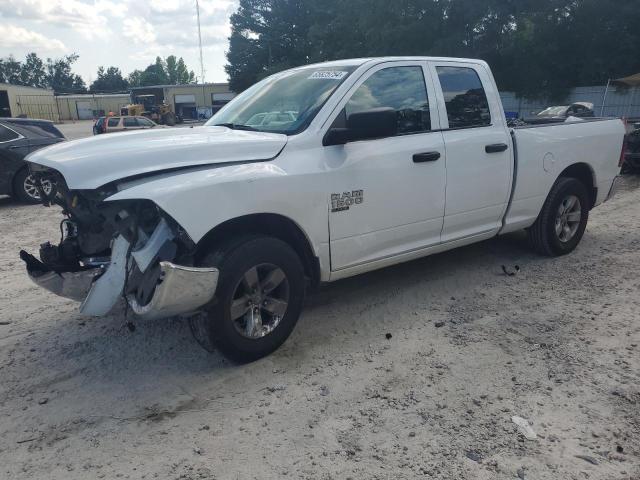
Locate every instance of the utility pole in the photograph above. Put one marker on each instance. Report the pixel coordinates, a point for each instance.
(200, 42)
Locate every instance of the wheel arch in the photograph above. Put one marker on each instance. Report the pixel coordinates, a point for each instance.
(271, 224)
(585, 174)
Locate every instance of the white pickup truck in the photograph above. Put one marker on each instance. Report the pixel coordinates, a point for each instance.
(312, 175)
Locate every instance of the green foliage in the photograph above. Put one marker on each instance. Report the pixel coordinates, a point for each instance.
(33, 72)
(170, 71)
(535, 47)
(108, 81)
(57, 74)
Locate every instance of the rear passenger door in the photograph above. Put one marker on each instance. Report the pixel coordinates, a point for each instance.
(478, 147)
(113, 124)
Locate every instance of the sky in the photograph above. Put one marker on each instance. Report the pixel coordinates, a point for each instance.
(127, 34)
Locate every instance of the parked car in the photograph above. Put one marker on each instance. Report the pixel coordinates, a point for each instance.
(632, 154)
(18, 138)
(387, 160)
(122, 124)
(561, 113)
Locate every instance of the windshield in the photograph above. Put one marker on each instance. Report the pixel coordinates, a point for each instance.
(553, 112)
(283, 103)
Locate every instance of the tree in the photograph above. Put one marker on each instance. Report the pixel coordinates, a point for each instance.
(535, 47)
(33, 72)
(170, 71)
(109, 80)
(10, 71)
(135, 78)
(61, 79)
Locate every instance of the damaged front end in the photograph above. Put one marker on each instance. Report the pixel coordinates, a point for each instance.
(113, 250)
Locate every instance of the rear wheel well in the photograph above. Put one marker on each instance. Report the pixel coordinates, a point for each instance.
(583, 173)
(270, 224)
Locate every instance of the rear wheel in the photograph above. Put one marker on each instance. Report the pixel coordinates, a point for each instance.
(258, 299)
(563, 219)
(24, 187)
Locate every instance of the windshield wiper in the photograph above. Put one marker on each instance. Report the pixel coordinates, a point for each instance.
(237, 126)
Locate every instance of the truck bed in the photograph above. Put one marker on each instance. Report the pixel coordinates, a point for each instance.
(543, 152)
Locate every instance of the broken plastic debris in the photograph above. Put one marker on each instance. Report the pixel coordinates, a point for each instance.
(524, 428)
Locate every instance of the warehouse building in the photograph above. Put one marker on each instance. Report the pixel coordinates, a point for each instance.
(16, 101)
(87, 107)
(191, 101)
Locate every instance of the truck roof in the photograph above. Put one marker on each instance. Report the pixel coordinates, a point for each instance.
(362, 61)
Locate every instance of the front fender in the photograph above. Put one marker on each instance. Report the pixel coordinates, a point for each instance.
(201, 199)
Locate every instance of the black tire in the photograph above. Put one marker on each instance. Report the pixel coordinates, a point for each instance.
(234, 259)
(19, 189)
(542, 234)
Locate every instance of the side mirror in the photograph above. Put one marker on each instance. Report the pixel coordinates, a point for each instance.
(374, 123)
(365, 125)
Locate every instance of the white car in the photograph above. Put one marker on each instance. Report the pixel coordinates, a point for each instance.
(387, 160)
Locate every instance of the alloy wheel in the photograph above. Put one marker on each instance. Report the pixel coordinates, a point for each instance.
(260, 301)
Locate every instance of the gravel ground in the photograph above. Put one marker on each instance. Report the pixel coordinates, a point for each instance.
(410, 372)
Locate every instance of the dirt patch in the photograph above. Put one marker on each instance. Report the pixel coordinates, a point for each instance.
(470, 347)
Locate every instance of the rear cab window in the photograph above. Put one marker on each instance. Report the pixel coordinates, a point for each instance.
(113, 122)
(465, 99)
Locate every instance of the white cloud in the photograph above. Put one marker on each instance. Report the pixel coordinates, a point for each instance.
(139, 31)
(15, 37)
(113, 9)
(84, 18)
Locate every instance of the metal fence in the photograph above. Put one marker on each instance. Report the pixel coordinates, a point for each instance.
(620, 102)
(37, 106)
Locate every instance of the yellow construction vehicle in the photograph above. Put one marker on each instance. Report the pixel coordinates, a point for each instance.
(146, 105)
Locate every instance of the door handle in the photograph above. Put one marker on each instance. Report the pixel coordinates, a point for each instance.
(426, 157)
(496, 148)
(15, 147)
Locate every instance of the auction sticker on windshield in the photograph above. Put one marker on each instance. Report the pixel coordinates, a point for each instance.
(329, 75)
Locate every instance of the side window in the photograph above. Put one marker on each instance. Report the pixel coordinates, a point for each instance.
(113, 121)
(467, 104)
(7, 135)
(129, 122)
(144, 122)
(400, 88)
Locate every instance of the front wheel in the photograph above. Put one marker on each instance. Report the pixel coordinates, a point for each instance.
(26, 189)
(258, 298)
(563, 219)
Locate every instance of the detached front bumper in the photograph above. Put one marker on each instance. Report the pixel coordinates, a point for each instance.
(180, 290)
(73, 285)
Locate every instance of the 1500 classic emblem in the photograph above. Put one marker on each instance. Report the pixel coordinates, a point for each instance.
(341, 202)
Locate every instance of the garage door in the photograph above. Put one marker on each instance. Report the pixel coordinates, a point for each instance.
(85, 110)
(185, 99)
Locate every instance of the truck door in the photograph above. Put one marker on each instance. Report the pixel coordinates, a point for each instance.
(387, 195)
(479, 157)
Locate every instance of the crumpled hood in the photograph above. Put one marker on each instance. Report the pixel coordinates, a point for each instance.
(92, 162)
